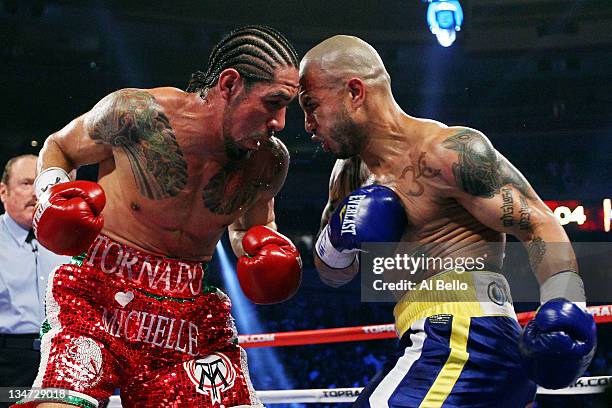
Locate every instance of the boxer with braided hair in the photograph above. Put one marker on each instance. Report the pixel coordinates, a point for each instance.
(254, 51)
(134, 310)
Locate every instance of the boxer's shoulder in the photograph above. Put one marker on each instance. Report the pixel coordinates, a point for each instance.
(465, 135)
(168, 97)
(269, 164)
(131, 99)
(127, 108)
(438, 140)
(463, 146)
(164, 92)
(125, 99)
(449, 147)
(272, 152)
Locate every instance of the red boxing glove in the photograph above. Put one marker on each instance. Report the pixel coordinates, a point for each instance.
(67, 218)
(272, 270)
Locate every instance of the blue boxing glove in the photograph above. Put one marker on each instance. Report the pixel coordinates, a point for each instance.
(558, 345)
(369, 214)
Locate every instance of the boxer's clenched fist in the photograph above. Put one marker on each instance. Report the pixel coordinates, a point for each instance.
(369, 214)
(68, 216)
(271, 271)
(558, 345)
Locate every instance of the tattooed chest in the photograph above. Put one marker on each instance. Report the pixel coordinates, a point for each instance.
(415, 175)
(230, 191)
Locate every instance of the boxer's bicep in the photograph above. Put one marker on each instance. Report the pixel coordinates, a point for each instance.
(508, 211)
(494, 192)
(277, 167)
(71, 147)
(112, 122)
(487, 185)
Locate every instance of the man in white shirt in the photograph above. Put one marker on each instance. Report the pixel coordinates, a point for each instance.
(24, 268)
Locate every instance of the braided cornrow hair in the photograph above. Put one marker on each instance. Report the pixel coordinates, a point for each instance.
(254, 51)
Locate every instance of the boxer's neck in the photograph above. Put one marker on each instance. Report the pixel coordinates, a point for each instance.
(391, 133)
(207, 112)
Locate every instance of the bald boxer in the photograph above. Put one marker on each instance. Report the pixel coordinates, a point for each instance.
(448, 190)
(134, 310)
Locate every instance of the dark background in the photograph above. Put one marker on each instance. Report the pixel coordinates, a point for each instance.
(533, 75)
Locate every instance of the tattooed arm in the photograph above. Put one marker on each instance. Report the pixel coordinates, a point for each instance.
(72, 147)
(132, 121)
(258, 193)
(497, 194)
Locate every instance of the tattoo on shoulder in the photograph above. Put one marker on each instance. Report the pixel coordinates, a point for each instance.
(133, 121)
(480, 171)
(237, 185)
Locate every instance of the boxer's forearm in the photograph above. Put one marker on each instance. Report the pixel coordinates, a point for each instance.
(235, 238)
(548, 248)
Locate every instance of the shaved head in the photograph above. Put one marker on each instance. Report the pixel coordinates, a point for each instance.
(342, 57)
(343, 85)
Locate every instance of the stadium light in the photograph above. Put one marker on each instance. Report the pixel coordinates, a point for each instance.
(444, 18)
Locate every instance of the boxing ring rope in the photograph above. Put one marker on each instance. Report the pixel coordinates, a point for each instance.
(584, 385)
(601, 314)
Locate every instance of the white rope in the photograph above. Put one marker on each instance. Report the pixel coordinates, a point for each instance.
(584, 385)
(309, 396)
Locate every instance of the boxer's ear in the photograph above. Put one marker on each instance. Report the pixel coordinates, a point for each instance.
(357, 90)
(228, 84)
